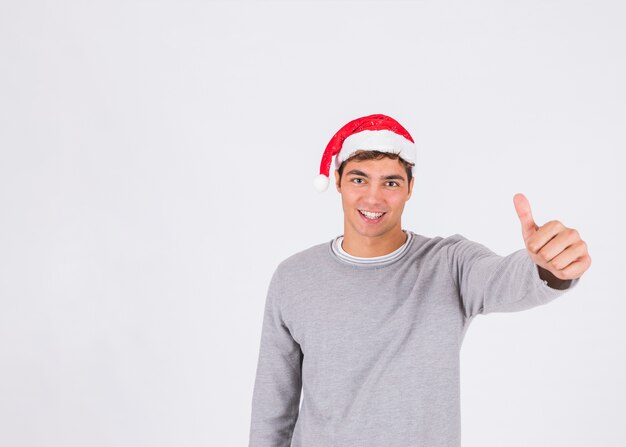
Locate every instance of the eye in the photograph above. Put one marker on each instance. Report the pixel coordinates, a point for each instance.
(395, 183)
(356, 179)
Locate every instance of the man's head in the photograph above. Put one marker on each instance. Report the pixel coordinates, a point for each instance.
(376, 132)
(370, 183)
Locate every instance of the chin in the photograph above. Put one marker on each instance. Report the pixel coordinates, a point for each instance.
(372, 232)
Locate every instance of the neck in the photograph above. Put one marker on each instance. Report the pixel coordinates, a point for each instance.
(361, 246)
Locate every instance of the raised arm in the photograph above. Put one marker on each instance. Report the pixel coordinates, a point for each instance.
(278, 382)
(488, 282)
(553, 261)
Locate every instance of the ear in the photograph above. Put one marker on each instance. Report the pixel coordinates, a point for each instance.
(337, 185)
(411, 187)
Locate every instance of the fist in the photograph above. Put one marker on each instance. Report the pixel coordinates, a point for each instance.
(552, 246)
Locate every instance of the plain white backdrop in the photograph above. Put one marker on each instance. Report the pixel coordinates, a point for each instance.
(156, 165)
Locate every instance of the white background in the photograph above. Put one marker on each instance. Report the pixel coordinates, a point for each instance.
(157, 161)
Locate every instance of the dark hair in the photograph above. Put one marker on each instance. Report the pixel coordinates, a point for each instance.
(362, 155)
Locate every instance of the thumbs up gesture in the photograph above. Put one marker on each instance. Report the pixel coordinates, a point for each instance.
(552, 246)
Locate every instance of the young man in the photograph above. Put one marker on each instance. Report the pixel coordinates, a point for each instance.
(367, 328)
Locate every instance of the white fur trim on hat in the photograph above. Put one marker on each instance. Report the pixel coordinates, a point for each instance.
(377, 140)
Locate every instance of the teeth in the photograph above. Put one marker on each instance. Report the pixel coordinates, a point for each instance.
(371, 215)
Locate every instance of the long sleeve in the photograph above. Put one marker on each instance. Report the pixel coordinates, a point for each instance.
(278, 382)
(488, 282)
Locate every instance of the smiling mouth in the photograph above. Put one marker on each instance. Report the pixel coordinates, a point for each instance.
(372, 215)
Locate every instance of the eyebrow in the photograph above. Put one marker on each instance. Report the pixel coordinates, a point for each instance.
(382, 177)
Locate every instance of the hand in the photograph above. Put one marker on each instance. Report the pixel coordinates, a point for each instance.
(553, 246)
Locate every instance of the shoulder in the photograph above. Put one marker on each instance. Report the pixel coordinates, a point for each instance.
(435, 244)
(301, 261)
(446, 249)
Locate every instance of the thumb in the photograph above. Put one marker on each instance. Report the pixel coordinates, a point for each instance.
(525, 216)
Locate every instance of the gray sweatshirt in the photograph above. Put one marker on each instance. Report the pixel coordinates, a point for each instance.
(373, 349)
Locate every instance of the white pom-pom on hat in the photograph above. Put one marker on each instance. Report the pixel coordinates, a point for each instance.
(373, 132)
(321, 182)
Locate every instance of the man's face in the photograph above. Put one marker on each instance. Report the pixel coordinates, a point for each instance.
(373, 186)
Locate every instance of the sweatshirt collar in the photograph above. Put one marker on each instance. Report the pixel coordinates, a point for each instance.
(341, 255)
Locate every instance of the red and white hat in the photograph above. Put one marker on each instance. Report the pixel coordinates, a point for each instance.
(372, 132)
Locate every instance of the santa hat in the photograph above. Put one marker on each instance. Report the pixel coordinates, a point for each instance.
(373, 132)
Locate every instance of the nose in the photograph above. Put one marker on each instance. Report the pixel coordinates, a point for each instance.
(374, 197)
